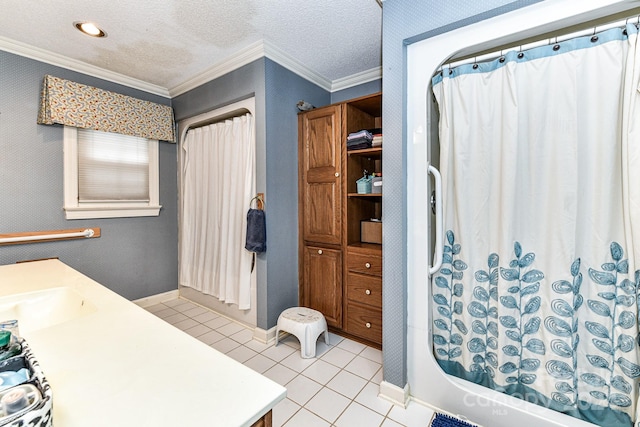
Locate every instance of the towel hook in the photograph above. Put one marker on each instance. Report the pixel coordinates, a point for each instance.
(260, 203)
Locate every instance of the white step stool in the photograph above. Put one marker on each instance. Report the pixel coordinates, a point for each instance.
(306, 325)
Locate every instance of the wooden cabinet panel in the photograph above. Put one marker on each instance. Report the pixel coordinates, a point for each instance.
(364, 264)
(265, 421)
(364, 322)
(321, 175)
(320, 222)
(322, 282)
(364, 289)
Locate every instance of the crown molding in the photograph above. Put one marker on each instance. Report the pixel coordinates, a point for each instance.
(42, 55)
(290, 63)
(356, 79)
(245, 56)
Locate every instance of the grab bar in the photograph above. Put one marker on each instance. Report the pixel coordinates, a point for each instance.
(43, 236)
(437, 257)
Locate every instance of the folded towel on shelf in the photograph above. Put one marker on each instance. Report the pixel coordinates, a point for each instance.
(358, 141)
(357, 144)
(360, 134)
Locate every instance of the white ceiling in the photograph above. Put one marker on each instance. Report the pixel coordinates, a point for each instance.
(173, 45)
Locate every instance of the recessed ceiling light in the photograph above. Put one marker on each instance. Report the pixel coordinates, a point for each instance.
(90, 29)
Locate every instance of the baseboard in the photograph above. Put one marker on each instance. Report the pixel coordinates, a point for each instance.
(264, 336)
(394, 394)
(156, 299)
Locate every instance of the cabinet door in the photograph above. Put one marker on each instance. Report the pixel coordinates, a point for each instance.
(322, 289)
(321, 168)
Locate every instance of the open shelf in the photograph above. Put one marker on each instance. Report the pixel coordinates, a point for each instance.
(369, 246)
(364, 195)
(366, 151)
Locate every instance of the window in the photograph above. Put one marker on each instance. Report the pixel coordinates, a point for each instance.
(108, 175)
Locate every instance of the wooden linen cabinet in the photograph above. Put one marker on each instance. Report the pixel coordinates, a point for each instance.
(339, 275)
(320, 212)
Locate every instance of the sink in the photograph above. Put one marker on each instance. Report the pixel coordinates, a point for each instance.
(42, 309)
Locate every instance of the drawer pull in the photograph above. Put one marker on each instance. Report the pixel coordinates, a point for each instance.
(319, 251)
(368, 265)
(368, 292)
(368, 325)
(337, 174)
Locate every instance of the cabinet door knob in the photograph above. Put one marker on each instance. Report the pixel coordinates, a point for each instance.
(368, 292)
(337, 174)
(368, 325)
(319, 251)
(366, 264)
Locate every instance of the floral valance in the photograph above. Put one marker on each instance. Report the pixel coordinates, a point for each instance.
(74, 104)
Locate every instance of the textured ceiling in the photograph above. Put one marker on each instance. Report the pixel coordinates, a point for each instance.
(168, 42)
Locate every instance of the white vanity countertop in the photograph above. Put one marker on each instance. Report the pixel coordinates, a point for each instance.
(119, 365)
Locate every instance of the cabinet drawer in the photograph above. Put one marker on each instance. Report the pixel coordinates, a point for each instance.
(364, 264)
(364, 322)
(364, 289)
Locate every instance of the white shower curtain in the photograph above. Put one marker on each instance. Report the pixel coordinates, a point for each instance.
(217, 187)
(540, 157)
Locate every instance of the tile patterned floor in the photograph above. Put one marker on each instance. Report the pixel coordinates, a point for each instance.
(337, 388)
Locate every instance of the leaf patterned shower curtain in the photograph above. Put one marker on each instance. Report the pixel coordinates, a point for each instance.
(538, 293)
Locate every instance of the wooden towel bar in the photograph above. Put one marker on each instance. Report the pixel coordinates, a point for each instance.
(48, 236)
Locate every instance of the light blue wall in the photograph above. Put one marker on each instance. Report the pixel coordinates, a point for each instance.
(356, 91)
(405, 22)
(283, 90)
(277, 90)
(242, 83)
(135, 257)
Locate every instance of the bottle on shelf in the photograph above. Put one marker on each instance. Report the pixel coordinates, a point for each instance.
(8, 347)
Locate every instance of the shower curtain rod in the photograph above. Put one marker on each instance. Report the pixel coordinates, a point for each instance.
(494, 54)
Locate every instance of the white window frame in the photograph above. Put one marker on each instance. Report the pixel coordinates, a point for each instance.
(85, 210)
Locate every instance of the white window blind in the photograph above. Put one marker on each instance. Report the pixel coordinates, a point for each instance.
(112, 167)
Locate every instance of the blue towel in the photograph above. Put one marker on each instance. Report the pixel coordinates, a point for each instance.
(256, 231)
